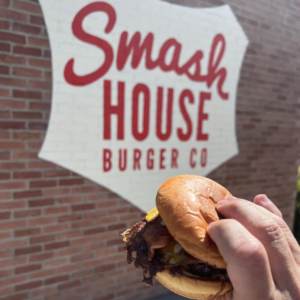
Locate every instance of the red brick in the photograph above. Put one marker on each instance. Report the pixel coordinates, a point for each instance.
(27, 213)
(42, 183)
(12, 205)
(11, 145)
(24, 155)
(83, 190)
(12, 165)
(28, 7)
(83, 207)
(4, 195)
(41, 202)
(56, 210)
(42, 274)
(57, 173)
(27, 135)
(95, 214)
(42, 221)
(94, 230)
(12, 104)
(83, 273)
(70, 199)
(28, 268)
(27, 174)
(42, 239)
(67, 218)
(5, 114)
(56, 228)
(41, 257)
(12, 59)
(4, 135)
(27, 115)
(4, 176)
(21, 296)
(56, 279)
(27, 232)
(81, 241)
(105, 268)
(114, 242)
(28, 250)
(39, 106)
(5, 215)
(16, 261)
(5, 24)
(12, 243)
(68, 268)
(69, 285)
(12, 82)
(37, 20)
(11, 37)
(106, 220)
(27, 94)
(117, 226)
(57, 245)
(40, 63)
(38, 125)
(27, 72)
(81, 224)
(28, 285)
(68, 252)
(41, 165)
(4, 70)
(56, 192)
(4, 47)
(12, 280)
(73, 181)
(5, 273)
(39, 42)
(57, 262)
(81, 257)
(24, 28)
(69, 234)
(12, 224)
(4, 92)
(43, 85)
(28, 51)
(92, 247)
(13, 185)
(27, 194)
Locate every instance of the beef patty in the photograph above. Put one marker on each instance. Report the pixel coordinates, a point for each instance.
(150, 247)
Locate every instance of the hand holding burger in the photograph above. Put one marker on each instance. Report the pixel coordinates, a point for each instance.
(183, 243)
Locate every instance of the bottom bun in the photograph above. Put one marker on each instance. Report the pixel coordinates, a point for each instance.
(193, 288)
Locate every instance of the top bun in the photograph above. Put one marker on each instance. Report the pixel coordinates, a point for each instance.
(186, 204)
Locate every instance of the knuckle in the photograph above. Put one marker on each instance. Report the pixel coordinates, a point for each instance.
(269, 230)
(249, 252)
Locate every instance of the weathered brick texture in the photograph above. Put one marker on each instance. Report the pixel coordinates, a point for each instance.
(60, 233)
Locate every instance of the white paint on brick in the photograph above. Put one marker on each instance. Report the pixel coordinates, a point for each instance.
(75, 134)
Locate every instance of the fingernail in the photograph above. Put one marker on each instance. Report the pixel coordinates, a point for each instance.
(263, 198)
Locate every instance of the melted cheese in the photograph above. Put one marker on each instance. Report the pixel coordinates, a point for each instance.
(152, 214)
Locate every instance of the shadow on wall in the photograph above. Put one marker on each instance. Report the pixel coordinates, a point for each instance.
(297, 211)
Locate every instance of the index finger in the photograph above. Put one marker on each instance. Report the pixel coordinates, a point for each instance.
(247, 261)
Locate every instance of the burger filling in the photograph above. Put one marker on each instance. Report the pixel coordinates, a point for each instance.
(150, 246)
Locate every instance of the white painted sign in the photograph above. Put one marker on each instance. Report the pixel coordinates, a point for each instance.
(142, 91)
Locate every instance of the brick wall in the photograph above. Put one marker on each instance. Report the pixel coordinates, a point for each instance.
(59, 233)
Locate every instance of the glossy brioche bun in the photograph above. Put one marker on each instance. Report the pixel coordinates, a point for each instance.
(193, 288)
(186, 204)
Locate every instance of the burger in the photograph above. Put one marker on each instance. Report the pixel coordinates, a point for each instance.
(171, 243)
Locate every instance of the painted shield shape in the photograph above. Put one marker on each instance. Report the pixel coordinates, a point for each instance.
(142, 91)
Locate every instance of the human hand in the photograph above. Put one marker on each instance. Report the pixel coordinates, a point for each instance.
(262, 255)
